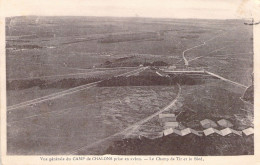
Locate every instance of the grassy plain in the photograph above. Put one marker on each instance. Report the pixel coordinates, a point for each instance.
(54, 49)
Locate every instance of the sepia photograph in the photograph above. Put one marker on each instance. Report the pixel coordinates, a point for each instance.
(116, 79)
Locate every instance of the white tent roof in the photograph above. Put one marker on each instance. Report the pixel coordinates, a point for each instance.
(210, 131)
(171, 124)
(226, 131)
(168, 131)
(178, 132)
(163, 115)
(248, 131)
(185, 131)
(225, 123)
(207, 123)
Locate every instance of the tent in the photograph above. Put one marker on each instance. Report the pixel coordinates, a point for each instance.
(210, 131)
(248, 131)
(207, 123)
(225, 123)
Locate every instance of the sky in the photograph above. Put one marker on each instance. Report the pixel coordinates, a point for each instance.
(202, 9)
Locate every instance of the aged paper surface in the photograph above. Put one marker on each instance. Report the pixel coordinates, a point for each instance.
(129, 81)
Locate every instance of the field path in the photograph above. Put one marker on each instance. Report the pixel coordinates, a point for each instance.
(67, 92)
(224, 79)
(186, 62)
(132, 127)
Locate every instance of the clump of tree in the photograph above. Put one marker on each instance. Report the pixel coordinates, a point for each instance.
(23, 46)
(156, 63)
(128, 37)
(69, 82)
(109, 64)
(149, 80)
(44, 84)
(123, 59)
(23, 84)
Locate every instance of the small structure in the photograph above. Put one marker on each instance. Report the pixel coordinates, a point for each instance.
(239, 133)
(178, 132)
(248, 131)
(195, 132)
(172, 67)
(167, 118)
(228, 131)
(210, 131)
(153, 135)
(185, 131)
(168, 131)
(171, 125)
(207, 123)
(163, 115)
(225, 123)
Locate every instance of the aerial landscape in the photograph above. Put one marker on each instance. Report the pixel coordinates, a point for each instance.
(129, 86)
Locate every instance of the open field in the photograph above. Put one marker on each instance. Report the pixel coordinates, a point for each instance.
(213, 101)
(51, 55)
(35, 87)
(68, 123)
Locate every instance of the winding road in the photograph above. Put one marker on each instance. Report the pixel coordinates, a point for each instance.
(186, 61)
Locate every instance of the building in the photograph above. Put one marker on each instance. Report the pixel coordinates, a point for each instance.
(167, 131)
(207, 123)
(163, 115)
(225, 123)
(171, 125)
(228, 131)
(210, 131)
(248, 131)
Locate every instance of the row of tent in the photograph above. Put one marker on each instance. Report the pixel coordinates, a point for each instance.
(170, 124)
(208, 131)
(207, 123)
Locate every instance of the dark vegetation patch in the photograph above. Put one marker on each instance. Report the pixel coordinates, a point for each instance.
(156, 63)
(186, 145)
(123, 59)
(128, 37)
(44, 84)
(17, 40)
(33, 36)
(190, 36)
(128, 62)
(23, 84)
(23, 46)
(73, 42)
(123, 63)
(149, 80)
(69, 82)
(197, 31)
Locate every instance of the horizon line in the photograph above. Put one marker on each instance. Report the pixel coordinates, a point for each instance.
(127, 17)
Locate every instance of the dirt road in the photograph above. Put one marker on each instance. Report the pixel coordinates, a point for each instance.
(67, 92)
